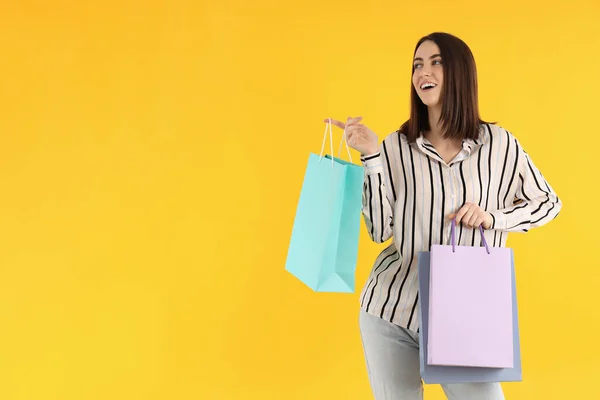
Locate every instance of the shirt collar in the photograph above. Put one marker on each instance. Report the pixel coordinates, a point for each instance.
(468, 146)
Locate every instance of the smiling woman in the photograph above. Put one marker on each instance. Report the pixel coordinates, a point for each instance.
(444, 74)
(445, 162)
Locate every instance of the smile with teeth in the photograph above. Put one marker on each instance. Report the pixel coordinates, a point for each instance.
(428, 86)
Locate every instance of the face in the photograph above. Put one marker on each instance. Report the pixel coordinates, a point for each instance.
(428, 77)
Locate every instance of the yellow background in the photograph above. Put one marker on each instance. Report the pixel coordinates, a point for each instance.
(151, 156)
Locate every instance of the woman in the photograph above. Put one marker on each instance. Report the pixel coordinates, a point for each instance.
(443, 163)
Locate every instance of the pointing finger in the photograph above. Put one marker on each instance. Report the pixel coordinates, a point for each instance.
(335, 122)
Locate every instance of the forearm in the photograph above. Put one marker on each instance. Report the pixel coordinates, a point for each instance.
(377, 209)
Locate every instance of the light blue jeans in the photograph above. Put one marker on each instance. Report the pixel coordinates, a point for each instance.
(392, 358)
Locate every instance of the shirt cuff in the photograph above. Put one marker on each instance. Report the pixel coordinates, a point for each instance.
(498, 220)
(372, 163)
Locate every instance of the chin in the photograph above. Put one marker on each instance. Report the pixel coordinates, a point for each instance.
(429, 99)
(430, 102)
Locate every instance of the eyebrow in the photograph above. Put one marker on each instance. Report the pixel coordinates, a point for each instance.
(432, 57)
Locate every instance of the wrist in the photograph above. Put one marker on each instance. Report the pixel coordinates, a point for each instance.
(370, 152)
(372, 163)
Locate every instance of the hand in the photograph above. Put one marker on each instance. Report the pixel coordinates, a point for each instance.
(358, 136)
(473, 216)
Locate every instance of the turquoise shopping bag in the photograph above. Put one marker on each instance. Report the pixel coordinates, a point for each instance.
(323, 248)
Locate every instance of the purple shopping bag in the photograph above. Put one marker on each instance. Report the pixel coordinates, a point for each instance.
(470, 306)
(436, 374)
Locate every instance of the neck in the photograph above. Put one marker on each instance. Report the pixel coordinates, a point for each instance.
(435, 130)
(435, 134)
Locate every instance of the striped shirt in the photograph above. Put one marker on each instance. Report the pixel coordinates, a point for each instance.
(409, 191)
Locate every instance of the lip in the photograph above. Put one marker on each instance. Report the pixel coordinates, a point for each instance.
(424, 82)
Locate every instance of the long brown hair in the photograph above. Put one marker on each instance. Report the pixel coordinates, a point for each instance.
(460, 105)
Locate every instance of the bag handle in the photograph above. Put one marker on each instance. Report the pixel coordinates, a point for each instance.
(487, 248)
(343, 140)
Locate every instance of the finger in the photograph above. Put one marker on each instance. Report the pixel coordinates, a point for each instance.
(362, 130)
(337, 123)
(349, 124)
(468, 218)
(473, 220)
(353, 120)
(350, 134)
(357, 132)
(354, 131)
(461, 213)
(466, 215)
(353, 141)
(478, 222)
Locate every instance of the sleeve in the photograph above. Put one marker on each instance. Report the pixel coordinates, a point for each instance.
(535, 205)
(377, 209)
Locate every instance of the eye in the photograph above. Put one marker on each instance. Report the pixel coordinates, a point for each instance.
(417, 66)
(437, 62)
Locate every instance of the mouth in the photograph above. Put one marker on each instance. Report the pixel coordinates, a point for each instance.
(427, 86)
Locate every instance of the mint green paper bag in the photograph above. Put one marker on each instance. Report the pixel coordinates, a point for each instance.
(323, 248)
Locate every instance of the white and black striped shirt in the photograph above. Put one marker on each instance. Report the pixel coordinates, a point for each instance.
(409, 191)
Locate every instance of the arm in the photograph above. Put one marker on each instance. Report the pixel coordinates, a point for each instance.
(377, 209)
(537, 203)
